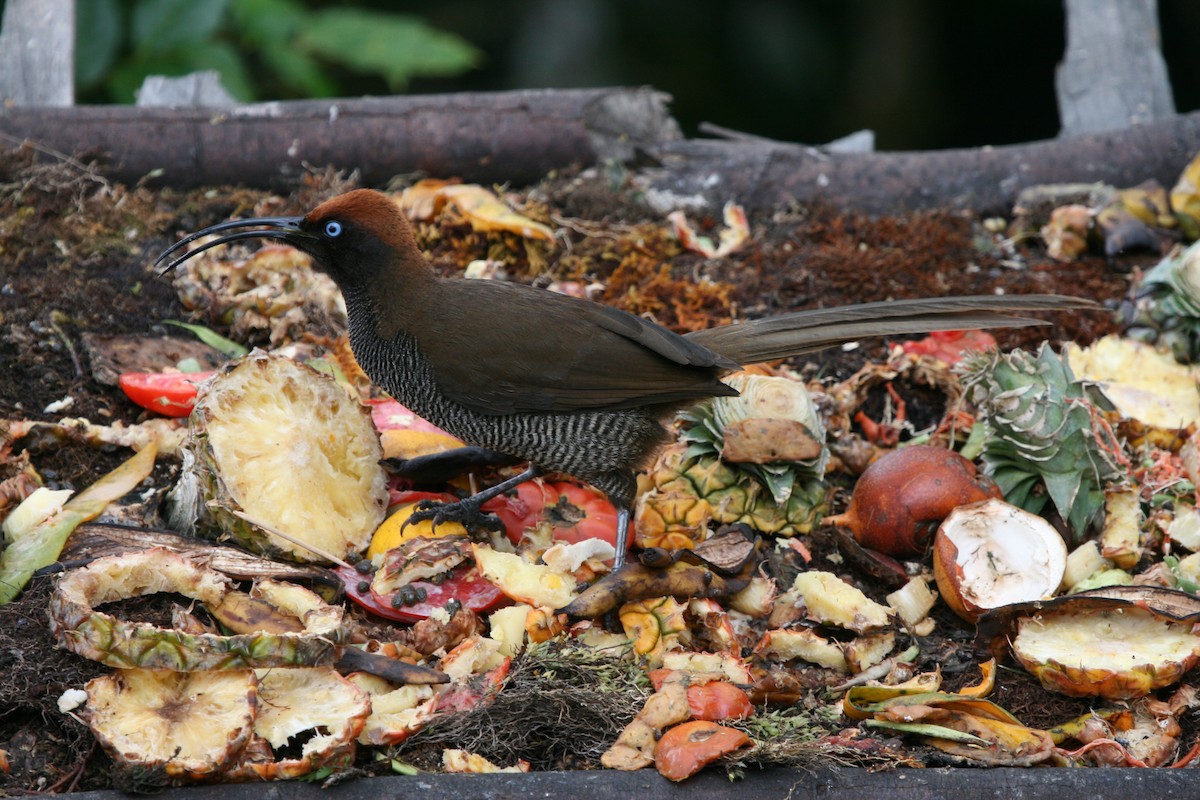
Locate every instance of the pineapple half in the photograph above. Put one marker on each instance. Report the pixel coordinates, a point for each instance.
(314, 711)
(757, 458)
(80, 628)
(189, 725)
(1118, 653)
(282, 459)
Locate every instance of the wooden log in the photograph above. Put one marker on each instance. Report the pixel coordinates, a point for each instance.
(37, 53)
(1113, 74)
(519, 137)
(765, 175)
(513, 137)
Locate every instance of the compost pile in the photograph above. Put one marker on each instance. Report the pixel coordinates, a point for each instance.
(969, 548)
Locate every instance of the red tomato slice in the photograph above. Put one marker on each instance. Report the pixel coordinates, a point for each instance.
(713, 701)
(573, 511)
(464, 584)
(686, 749)
(950, 346)
(169, 393)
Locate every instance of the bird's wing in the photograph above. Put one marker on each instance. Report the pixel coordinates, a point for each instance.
(544, 352)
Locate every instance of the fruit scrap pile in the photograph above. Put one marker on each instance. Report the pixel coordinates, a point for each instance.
(1030, 533)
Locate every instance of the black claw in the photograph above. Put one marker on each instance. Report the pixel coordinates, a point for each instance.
(465, 512)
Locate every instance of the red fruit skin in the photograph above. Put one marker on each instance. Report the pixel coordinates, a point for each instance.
(713, 701)
(951, 346)
(574, 512)
(691, 746)
(465, 585)
(901, 498)
(171, 394)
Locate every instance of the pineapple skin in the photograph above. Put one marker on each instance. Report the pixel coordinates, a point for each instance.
(278, 442)
(683, 492)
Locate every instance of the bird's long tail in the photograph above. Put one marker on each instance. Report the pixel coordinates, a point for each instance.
(806, 331)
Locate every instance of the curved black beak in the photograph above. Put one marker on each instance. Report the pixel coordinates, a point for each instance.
(284, 228)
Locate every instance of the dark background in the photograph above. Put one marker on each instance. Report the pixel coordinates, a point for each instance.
(921, 73)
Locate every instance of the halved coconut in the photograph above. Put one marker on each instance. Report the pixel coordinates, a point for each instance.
(991, 554)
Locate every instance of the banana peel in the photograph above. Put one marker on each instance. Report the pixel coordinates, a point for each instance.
(961, 725)
(636, 581)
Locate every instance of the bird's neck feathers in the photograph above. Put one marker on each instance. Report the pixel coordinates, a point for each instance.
(393, 292)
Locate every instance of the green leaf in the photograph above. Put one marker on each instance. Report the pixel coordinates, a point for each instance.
(926, 729)
(973, 447)
(396, 46)
(162, 25)
(298, 71)
(1064, 488)
(778, 483)
(403, 768)
(228, 347)
(30, 550)
(95, 52)
(267, 23)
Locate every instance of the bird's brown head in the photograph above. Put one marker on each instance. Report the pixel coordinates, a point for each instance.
(352, 237)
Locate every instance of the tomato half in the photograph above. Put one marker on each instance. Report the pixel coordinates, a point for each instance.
(170, 393)
(718, 700)
(573, 511)
(950, 346)
(463, 584)
(686, 749)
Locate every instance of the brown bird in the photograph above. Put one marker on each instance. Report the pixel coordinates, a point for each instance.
(563, 383)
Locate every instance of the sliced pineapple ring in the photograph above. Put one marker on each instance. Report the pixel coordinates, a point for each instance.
(1118, 653)
(279, 447)
(93, 634)
(190, 725)
(314, 707)
(396, 712)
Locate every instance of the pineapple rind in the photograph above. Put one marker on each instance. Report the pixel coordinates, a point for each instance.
(191, 725)
(278, 442)
(1118, 654)
(93, 634)
(686, 490)
(396, 712)
(299, 701)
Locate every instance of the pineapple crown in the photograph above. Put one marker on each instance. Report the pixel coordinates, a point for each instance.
(761, 396)
(1045, 430)
(1165, 308)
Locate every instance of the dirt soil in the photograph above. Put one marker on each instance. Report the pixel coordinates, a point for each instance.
(75, 260)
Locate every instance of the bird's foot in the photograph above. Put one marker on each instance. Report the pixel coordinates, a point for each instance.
(468, 513)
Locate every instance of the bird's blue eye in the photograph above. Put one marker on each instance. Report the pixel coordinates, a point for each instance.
(333, 228)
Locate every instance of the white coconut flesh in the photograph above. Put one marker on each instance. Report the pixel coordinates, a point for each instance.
(1004, 554)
